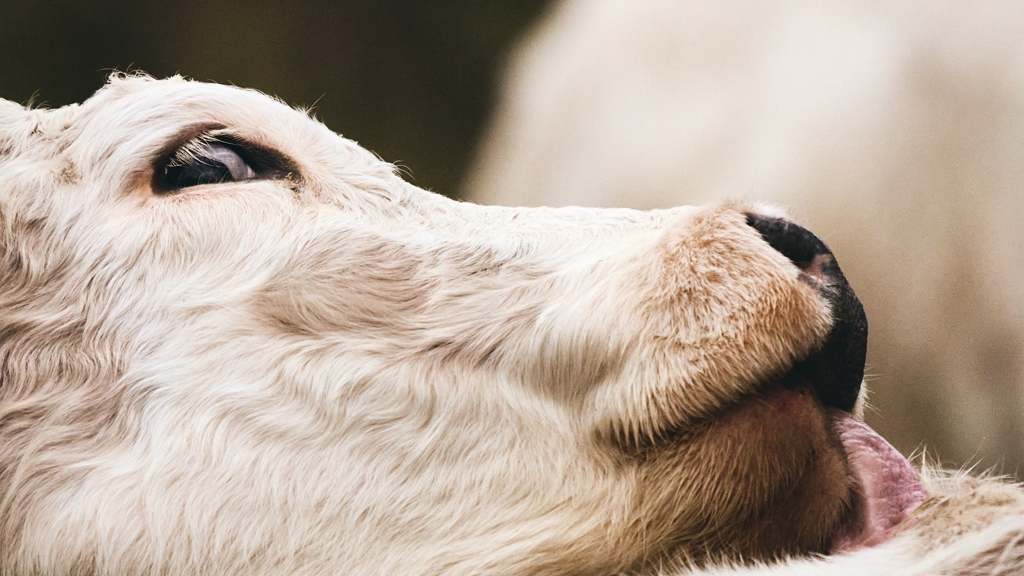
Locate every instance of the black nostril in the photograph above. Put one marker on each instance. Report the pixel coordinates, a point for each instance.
(798, 244)
(792, 240)
(835, 370)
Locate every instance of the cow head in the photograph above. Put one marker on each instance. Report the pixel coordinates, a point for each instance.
(233, 341)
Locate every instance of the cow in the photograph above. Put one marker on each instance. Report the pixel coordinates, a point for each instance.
(234, 342)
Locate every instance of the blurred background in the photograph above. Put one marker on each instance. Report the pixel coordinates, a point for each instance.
(411, 80)
(894, 130)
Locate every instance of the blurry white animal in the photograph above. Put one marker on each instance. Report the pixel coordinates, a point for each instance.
(894, 129)
(232, 342)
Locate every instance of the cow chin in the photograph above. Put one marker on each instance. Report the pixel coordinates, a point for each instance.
(766, 479)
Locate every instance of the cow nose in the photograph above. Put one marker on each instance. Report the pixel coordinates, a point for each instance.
(835, 369)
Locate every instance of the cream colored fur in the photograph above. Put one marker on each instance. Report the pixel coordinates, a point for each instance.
(894, 130)
(334, 372)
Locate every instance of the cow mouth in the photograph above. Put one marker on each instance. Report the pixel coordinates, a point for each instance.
(886, 488)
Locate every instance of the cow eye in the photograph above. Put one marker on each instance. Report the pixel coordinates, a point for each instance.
(206, 162)
(212, 158)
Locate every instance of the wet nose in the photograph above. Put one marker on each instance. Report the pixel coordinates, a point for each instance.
(835, 369)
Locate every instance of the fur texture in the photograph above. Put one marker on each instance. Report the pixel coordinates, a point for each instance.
(324, 370)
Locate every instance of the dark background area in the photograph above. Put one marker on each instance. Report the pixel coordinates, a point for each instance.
(411, 80)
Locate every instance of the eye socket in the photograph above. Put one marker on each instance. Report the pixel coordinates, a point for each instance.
(206, 162)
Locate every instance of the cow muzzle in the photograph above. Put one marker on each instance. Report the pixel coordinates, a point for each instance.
(835, 369)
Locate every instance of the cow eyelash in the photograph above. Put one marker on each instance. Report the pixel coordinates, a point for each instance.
(216, 159)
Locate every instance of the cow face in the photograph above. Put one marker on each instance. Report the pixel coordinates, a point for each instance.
(233, 341)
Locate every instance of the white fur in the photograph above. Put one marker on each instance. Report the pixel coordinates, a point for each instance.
(333, 372)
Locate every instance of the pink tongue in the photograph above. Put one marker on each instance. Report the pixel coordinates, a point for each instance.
(889, 487)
